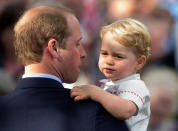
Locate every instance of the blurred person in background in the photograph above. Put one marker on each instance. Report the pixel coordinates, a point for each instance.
(9, 14)
(121, 8)
(172, 6)
(7, 83)
(160, 24)
(146, 7)
(163, 85)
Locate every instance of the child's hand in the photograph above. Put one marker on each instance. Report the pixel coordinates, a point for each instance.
(82, 92)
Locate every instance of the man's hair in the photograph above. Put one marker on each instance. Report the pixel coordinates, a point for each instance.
(130, 33)
(31, 36)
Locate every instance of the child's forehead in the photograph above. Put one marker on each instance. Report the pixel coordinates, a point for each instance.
(113, 33)
(118, 32)
(111, 37)
(114, 36)
(109, 34)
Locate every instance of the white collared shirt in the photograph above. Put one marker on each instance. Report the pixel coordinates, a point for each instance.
(42, 76)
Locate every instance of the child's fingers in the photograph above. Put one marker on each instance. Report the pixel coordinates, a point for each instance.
(77, 98)
(78, 93)
(73, 94)
(76, 88)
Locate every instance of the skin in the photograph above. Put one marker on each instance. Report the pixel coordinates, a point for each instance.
(73, 54)
(56, 60)
(116, 61)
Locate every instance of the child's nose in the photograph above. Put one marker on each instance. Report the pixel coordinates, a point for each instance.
(110, 60)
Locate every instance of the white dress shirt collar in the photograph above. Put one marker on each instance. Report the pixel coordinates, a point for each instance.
(42, 76)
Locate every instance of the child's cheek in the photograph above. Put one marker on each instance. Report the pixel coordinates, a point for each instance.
(120, 67)
(101, 64)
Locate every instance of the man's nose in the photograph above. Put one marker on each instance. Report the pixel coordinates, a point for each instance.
(82, 52)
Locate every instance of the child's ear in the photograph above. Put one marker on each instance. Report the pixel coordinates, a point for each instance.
(141, 62)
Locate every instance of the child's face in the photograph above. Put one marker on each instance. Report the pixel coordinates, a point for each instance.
(116, 61)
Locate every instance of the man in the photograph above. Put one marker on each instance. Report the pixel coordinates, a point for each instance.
(47, 42)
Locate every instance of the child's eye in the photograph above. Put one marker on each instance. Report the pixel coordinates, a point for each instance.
(104, 53)
(119, 56)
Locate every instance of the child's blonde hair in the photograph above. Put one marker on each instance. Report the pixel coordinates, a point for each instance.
(131, 33)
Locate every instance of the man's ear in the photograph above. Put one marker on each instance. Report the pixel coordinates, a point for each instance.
(141, 62)
(53, 48)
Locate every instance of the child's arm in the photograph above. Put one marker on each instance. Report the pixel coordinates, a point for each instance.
(118, 107)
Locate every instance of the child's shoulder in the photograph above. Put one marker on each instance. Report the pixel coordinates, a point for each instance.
(136, 85)
(133, 82)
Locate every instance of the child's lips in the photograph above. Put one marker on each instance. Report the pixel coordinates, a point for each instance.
(108, 70)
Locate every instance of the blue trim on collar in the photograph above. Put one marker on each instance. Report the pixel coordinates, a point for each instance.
(38, 82)
(41, 75)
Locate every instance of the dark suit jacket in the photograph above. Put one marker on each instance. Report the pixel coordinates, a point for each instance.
(42, 104)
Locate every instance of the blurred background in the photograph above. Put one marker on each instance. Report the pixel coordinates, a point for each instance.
(160, 72)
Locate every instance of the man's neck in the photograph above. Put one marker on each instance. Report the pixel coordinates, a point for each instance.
(36, 68)
(43, 68)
